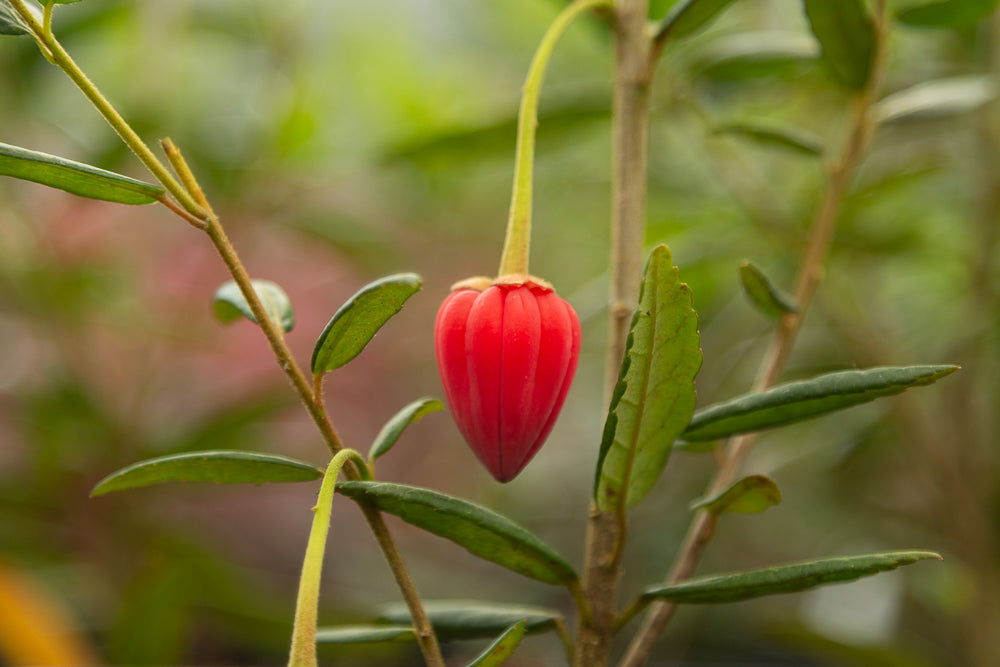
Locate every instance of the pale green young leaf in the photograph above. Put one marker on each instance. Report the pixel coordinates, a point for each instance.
(846, 33)
(394, 428)
(357, 321)
(765, 295)
(229, 303)
(75, 177)
(738, 586)
(750, 495)
(365, 634)
(805, 399)
(654, 398)
(481, 531)
(220, 466)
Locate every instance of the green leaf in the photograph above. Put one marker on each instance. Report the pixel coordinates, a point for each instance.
(796, 401)
(794, 139)
(473, 619)
(503, 648)
(222, 466)
(750, 495)
(364, 634)
(937, 99)
(758, 53)
(394, 428)
(10, 22)
(480, 530)
(75, 177)
(722, 588)
(654, 398)
(359, 319)
(947, 13)
(769, 299)
(229, 303)
(689, 16)
(846, 33)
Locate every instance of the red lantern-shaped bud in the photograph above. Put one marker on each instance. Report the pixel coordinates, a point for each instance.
(507, 355)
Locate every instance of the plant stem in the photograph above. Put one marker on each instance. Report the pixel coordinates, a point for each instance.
(58, 56)
(303, 651)
(195, 209)
(810, 276)
(517, 242)
(630, 114)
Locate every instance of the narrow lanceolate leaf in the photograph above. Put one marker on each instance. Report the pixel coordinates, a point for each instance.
(655, 397)
(739, 586)
(751, 54)
(394, 428)
(222, 466)
(947, 13)
(229, 303)
(937, 99)
(688, 16)
(364, 634)
(768, 298)
(792, 139)
(359, 319)
(750, 495)
(473, 619)
(846, 34)
(75, 177)
(503, 648)
(482, 531)
(795, 401)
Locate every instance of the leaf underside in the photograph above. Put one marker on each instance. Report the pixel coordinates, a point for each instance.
(654, 398)
(474, 619)
(749, 495)
(229, 303)
(793, 578)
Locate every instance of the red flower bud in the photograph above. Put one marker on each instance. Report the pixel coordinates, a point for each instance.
(507, 356)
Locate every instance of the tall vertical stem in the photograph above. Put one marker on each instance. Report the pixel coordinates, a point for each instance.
(630, 113)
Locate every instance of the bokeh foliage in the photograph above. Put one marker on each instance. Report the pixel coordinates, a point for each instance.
(342, 141)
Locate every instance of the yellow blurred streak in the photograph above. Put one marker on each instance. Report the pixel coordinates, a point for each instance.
(35, 627)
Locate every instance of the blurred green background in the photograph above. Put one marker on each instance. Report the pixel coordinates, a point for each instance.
(342, 141)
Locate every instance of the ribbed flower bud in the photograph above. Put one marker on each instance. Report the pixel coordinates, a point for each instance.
(507, 355)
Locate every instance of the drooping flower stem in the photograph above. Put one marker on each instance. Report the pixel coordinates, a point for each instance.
(514, 259)
(303, 651)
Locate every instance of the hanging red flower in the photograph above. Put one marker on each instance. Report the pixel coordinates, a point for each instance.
(507, 355)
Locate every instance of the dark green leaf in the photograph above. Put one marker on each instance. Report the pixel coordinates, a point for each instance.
(473, 619)
(947, 13)
(229, 303)
(722, 588)
(688, 16)
(759, 53)
(222, 466)
(847, 35)
(769, 299)
(937, 99)
(655, 396)
(387, 437)
(795, 401)
(789, 138)
(359, 319)
(749, 495)
(74, 177)
(480, 530)
(364, 634)
(10, 22)
(503, 648)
